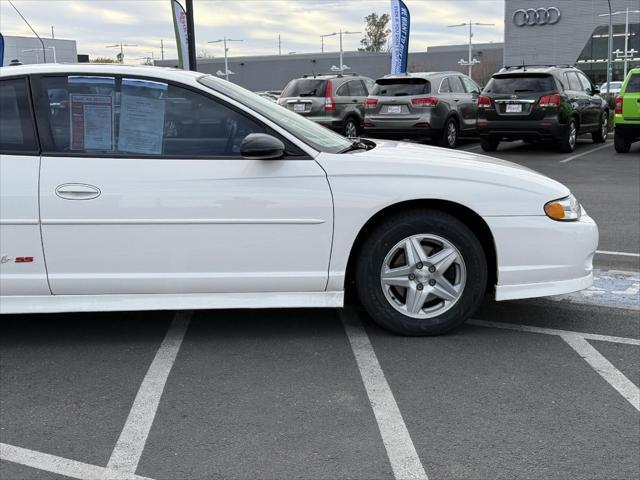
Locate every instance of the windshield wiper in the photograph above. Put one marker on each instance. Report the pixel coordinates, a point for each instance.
(357, 144)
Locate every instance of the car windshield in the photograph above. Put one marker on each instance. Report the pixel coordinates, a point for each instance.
(519, 83)
(314, 135)
(305, 87)
(399, 87)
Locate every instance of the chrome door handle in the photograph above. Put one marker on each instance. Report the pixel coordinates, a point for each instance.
(77, 191)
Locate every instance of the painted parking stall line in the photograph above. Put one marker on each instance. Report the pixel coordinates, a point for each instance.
(60, 465)
(401, 451)
(605, 368)
(130, 445)
(582, 154)
(618, 254)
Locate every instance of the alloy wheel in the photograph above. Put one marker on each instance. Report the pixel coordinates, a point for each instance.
(605, 126)
(423, 276)
(452, 133)
(350, 129)
(573, 134)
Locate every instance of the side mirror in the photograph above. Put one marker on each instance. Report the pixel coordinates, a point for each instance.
(260, 146)
(595, 91)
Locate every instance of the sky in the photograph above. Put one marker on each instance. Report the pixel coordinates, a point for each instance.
(94, 24)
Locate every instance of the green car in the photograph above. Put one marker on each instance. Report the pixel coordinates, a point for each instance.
(627, 116)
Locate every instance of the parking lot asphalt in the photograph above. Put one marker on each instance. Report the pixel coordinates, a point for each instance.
(531, 389)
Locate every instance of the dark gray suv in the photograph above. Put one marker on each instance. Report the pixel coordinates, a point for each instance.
(438, 105)
(333, 100)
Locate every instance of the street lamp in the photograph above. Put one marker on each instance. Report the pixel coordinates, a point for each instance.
(341, 33)
(224, 41)
(121, 47)
(626, 54)
(322, 37)
(472, 61)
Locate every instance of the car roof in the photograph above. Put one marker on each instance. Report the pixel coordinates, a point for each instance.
(425, 75)
(535, 69)
(101, 69)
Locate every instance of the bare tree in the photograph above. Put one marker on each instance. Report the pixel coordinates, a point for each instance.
(376, 33)
(102, 60)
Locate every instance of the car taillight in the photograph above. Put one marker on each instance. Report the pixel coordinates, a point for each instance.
(550, 100)
(619, 102)
(329, 103)
(424, 102)
(370, 102)
(484, 102)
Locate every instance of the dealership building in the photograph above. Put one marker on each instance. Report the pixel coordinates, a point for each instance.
(29, 50)
(571, 32)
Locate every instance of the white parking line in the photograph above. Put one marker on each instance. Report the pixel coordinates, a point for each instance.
(402, 454)
(128, 450)
(611, 374)
(620, 254)
(59, 465)
(582, 154)
(553, 331)
(473, 147)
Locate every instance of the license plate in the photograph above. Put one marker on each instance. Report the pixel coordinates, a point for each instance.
(298, 107)
(394, 109)
(514, 108)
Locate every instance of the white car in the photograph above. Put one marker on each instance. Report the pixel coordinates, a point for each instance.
(141, 188)
(615, 88)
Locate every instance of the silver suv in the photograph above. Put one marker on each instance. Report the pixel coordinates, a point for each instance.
(333, 100)
(436, 105)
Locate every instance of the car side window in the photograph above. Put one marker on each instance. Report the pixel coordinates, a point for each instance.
(573, 82)
(114, 115)
(586, 83)
(444, 86)
(356, 88)
(17, 131)
(456, 85)
(369, 84)
(470, 86)
(343, 90)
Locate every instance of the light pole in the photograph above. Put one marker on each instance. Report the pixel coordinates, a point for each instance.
(341, 33)
(470, 24)
(322, 40)
(626, 54)
(224, 41)
(121, 47)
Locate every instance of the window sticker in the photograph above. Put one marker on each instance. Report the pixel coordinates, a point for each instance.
(142, 112)
(91, 122)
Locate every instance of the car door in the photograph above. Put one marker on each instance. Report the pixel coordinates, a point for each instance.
(578, 98)
(593, 105)
(465, 104)
(471, 104)
(143, 190)
(22, 262)
(358, 94)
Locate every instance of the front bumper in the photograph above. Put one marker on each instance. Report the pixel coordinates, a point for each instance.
(538, 256)
(545, 129)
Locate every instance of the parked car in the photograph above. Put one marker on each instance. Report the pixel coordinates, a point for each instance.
(168, 189)
(436, 105)
(333, 100)
(268, 96)
(555, 104)
(627, 114)
(613, 90)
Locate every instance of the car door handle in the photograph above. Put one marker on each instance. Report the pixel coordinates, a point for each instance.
(354, 101)
(77, 191)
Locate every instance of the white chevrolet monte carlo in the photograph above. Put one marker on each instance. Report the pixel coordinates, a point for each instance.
(141, 188)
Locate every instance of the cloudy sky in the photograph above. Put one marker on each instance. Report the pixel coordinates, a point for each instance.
(94, 24)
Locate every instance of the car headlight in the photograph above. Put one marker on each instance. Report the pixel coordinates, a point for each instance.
(566, 209)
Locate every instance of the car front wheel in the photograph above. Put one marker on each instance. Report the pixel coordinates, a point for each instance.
(422, 272)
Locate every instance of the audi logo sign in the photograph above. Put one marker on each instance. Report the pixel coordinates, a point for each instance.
(536, 16)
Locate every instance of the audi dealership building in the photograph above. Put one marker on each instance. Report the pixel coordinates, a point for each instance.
(543, 32)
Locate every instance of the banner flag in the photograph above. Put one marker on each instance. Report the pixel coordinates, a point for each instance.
(180, 27)
(400, 26)
(1, 50)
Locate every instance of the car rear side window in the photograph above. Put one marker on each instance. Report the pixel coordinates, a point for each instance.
(356, 88)
(398, 87)
(305, 87)
(343, 90)
(633, 85)
(456, 85)
(133, 116)
(520, 83)
(17, 131)
(572, 82)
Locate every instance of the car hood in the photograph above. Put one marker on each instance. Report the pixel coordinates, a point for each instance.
(496, 187)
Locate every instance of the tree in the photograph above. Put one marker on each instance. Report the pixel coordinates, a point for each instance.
(102, 60)
(376, 33)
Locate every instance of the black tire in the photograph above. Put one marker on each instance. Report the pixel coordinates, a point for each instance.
(567, 143)
(382, 240)
(600, 135)
(621, 143)
(350, 125)
(450, 134)
(489, 144)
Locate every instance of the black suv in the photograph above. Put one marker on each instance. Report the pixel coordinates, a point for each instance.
(541, 104)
